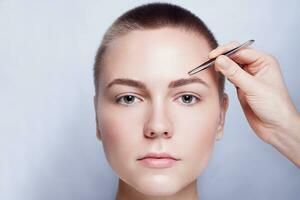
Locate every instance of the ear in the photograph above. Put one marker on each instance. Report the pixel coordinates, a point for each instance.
(224, 108)
(96, 118)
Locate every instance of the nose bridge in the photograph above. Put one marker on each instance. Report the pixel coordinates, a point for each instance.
(158, 122)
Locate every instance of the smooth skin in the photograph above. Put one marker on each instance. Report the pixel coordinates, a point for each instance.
(263, 96)
(157, 118)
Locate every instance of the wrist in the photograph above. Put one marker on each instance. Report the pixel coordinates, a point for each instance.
(293, 124)
(287, 138)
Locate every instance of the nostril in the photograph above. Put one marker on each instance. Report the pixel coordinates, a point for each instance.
(165, 133)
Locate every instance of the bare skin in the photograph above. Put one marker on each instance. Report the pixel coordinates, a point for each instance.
(157, 118)
(129, 130)
(263, 96)
(127, 193)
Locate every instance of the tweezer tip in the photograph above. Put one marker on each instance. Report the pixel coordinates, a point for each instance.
(191, 72)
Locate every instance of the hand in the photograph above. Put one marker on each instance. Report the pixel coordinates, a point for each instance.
(263, 96)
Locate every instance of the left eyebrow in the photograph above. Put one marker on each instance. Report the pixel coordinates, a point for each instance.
(186, 81)
(142, 86)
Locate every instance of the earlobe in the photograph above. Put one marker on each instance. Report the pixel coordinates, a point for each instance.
(98, 134)
(97, 129)
(95, 106)
(219, 136)
(224, 108)
(220, 130)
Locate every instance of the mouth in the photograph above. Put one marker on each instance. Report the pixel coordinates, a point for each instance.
(158, 160)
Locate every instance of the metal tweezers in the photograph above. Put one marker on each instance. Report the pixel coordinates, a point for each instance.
(211, 62)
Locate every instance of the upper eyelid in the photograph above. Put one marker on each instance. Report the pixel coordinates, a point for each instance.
(198, 99)
(179, 95)
(126, 94)
(189, 93)
(134, 94)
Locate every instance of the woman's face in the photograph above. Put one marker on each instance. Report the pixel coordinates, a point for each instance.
(158, 114)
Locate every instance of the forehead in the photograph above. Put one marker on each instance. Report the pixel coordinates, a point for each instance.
(156, 55)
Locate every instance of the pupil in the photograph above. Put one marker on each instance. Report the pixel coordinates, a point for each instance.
(129, 98)
(187, 97)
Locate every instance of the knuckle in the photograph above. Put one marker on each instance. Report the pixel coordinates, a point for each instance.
(234, 73)
(270, 56)
(222, 48)
(271, 59)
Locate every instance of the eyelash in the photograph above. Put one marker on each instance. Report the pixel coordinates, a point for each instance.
(194, 97)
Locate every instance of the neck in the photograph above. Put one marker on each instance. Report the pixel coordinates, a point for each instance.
(126, 192)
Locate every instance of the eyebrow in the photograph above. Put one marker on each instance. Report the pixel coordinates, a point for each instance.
(142, 86)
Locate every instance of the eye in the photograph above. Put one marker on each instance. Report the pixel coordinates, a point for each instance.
(128, 99)
(187, 98)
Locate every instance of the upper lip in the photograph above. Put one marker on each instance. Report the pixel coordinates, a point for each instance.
(158, 155)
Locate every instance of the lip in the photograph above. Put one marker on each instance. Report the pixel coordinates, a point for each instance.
(158, 160)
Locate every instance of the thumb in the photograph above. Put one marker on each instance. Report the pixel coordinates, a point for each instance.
(235, 74)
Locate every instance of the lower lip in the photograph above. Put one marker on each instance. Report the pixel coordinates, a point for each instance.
(158, 162)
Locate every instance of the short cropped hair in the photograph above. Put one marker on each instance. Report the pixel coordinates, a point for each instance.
(154, 16)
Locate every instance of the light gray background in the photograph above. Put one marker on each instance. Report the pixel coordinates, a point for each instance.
(48, 147)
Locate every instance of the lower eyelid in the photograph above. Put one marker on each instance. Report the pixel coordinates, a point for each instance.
(190, 94)
(195, 97)
(118, 99)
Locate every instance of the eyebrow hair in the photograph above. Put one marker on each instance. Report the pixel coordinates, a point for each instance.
(141, 85)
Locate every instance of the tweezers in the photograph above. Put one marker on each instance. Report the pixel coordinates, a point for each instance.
(211, 62)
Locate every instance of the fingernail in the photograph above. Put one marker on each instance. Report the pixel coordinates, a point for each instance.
(223, 62)
(211, 54)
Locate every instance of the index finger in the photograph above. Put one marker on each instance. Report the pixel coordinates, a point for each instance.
(245, 56)
(249, 56)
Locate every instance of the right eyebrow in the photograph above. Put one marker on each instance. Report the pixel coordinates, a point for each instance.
(128, 82)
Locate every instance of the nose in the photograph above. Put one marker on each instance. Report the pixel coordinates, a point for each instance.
(159, 124)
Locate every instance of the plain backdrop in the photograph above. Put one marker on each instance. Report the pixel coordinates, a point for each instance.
(48, 146)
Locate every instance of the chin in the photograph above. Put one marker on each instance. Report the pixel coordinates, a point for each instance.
(158, 185)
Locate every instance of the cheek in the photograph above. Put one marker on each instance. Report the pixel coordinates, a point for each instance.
(196, 134)
(120, 131)
(198, 121)
(194, 129)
